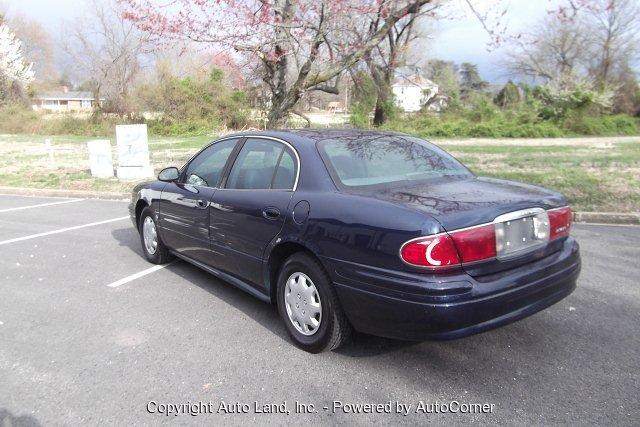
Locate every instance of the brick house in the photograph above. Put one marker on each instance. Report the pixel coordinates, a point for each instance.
(63, 101)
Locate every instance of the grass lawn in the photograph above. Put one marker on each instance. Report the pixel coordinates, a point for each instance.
(24, 161)
(595, 177)
(597, 174)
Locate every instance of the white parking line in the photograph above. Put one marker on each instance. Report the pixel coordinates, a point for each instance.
(61, 230)
(40, 205)
(138, 275)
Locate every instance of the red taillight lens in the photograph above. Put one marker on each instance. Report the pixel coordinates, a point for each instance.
(445, 250)
(434, 251)
(475, 244)
(559, 222)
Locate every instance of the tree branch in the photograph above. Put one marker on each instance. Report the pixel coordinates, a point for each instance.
(353, 58)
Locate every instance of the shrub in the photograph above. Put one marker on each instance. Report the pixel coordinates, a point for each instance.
(167, 127)
(15, 118)
(508, 96)
(449, 126)
(194, 102)
(360, 115)
(563, 99)
(604, 125)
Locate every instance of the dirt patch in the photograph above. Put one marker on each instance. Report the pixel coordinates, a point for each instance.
(601, 142)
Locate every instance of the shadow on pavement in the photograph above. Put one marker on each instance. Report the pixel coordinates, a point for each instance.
(129, 238)
(540, 334)
(7, 419)
(264, 314)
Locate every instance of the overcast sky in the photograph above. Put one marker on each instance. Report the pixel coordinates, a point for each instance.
(460, 40)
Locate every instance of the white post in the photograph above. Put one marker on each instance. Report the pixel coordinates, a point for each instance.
(100, 159)
(49, 148)
(133, 152)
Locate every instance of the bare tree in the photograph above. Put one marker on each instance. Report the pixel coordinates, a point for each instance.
(106, 51)
(613, 31)
(553, 50)
(387, 57)
(596, 41)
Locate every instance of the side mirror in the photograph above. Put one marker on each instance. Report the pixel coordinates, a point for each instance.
(169, 174)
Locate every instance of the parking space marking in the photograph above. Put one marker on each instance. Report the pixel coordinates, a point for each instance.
(61, 230)
(40, 205)
(138, 275)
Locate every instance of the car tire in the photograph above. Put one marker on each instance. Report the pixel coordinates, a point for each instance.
(334, 328)
(158, 253)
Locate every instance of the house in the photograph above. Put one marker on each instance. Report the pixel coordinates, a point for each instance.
(62, 101)
(411, 93)
(336, 107)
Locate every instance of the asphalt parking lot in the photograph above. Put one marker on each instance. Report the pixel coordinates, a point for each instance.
(75, 350)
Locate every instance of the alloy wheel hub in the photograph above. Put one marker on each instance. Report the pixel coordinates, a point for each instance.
(150, 235)
(302, 303)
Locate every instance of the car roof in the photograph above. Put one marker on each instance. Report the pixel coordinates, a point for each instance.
(305, 136)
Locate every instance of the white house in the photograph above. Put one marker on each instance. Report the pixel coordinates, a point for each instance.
(411, 93)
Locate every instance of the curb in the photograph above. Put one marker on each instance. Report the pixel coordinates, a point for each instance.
(607, 218)
(579, 217)
(46, 192)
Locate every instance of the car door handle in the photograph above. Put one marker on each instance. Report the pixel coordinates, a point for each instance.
(271, 213)
(201, 204)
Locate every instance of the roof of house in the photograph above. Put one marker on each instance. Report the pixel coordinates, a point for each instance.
(414, 80)
(66, 96)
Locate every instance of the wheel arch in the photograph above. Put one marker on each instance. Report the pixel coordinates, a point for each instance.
(140, 205)
(276, 258)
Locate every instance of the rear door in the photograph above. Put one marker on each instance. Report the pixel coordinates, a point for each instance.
(184, 205)
(250, 208)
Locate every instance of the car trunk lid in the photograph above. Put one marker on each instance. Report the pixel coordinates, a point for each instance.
(466, 203)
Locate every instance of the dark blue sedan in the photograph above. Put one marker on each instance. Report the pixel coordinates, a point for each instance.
(374, 231)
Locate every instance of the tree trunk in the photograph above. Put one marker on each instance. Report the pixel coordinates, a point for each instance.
(380, 112)
(282, 103)
(96, 114)
(278, 112)
(384, 96)
(277, 118)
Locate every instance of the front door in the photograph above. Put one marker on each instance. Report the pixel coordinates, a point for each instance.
(250, 208)
(184, 205)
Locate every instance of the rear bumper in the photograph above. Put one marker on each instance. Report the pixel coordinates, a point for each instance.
(417, 307)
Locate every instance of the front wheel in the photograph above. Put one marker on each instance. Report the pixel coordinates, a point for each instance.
(154, 250)
(309, 306)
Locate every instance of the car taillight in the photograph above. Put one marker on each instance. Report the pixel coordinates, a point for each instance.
(559, 222)
(451, 249)
(475, 244)
(435, 251)
(512, 234)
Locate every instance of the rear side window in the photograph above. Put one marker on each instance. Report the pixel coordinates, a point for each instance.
(285, 173)
(261, 165)
(371, 161)
(206, 168)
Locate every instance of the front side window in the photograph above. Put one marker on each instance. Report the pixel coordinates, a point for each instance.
(263, 164)
(384, 160)
(206, 168)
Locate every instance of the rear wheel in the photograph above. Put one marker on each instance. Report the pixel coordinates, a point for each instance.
(154, 250)
(309, 306)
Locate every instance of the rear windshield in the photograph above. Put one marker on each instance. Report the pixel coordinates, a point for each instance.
(365, 161)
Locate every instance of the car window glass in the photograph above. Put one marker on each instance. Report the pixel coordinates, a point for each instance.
(206, 168)
(255, 166)
(286, 173)
(363, 161)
